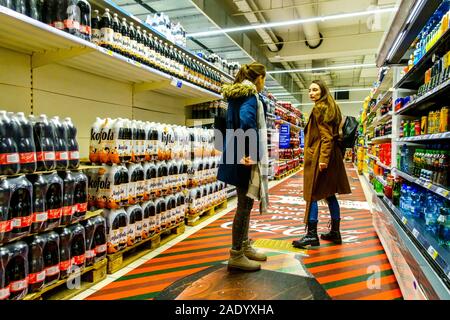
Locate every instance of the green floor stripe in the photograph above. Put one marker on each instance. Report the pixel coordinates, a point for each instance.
(354, 257)
(166, 271)
(344, 282)
(142, 296)
(171, 254)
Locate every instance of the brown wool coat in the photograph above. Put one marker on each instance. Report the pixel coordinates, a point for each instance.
(321, 146)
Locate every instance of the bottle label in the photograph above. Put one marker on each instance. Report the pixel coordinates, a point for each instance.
(65, 265)
(71, 24)
(54, 213)
(74, 155)
(21, 222)
(9, 158)
(90, 254)
(27, 157)
(82, 207)
(107, 35)
(45, 156)
(51, 271)
(79, 259)
(39, 217)
(20, 285)
(58, 25)
(5, 226)
(67, 211)
(100, 249)
(74, 209)
(36, 277)
(85, 29)
(117, 39)
(96, 35)
(4, 293)
(64, 155)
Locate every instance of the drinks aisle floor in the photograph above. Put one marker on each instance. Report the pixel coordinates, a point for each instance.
(342, 270)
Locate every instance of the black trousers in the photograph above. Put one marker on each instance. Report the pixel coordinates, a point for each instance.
(241, 220)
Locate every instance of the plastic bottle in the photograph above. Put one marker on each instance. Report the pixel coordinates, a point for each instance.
(9, 154)
(16, 271)
(69, 206)
(80, 196)
(51, 257)
(107, 32)
(5, 213)
(431, 213)
(54, 200)
(126, 41)
(36, 266)
(78, 247)
(100, 238)
(25, 143)
(34, 9)
(4, 288)
(20, 206)
(61, 144)
(65, 264)
(72, 144)
(20, 6)
(72, 18)
(40, 214)
(85, 19)
(44, 140)
(96, 28)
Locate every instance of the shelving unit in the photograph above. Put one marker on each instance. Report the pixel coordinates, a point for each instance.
(426, 137)
(382, 139)
(381, 164)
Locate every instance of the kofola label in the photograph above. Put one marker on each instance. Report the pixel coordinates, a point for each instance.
(102, 136)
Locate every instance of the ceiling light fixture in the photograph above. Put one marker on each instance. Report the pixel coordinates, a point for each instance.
(292, 22)
(339, 102)
(331, 90)
(352, 66)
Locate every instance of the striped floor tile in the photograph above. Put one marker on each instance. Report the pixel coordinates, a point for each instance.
(358, 269)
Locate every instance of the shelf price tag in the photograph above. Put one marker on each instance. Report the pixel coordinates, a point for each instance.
(415, 233)
(109, 52)
(404, 220)
(137, 64)
(432, 252)
(176, 83)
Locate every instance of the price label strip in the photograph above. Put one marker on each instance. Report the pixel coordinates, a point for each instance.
(432, 252)
(404, 220)
(415, 233)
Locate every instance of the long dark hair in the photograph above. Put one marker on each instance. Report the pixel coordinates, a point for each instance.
(327, 106)
(250, 72)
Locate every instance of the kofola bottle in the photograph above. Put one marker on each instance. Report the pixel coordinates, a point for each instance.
(80, 195)
(107, 32)
(72, 144)
(85, 19)
(17, 270)
(100, 238)
(126, 41)
(54, 200)
(36, 265)
(9, 155)
(96, 26)
(34, 9)
(51, 257)
(44, 140)
(131, 232)
(49, 12)
(65, 261)
(72, 18)
(40, 214)
(5, 213)
(60, 14)
(117, 39)
(68, 205)
(61, 145)
(78, 247)
(25, 144)
(89, 229)
(4, 288)
(20, 206)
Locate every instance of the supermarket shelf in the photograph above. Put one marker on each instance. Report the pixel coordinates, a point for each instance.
(415, 77)
(385, 84)
(425, 184)
(381, 164)
(366, 176)
(441, 92)
(271, 115)
(381, 120)
(373, 157)
(381, 139)
(49, 45)
(291, 124)
(426, 137)
(199, 122)
(435, 254)
(387, 95)
(381, 180)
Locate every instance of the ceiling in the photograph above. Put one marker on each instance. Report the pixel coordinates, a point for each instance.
(346, 41)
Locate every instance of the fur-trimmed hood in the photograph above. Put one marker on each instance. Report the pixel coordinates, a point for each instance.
(239, 90)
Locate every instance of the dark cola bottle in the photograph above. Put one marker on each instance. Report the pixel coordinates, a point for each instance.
(126, 41)
(78, 247)
(96, 28)
(72, 144)
(80, 195)
(8, 4)
(61, 145)
(4, 288)
(51, 257)
(60, 14)
(5, 213)
(40, 214)
(85, 19)
(20, 6)
(9, 155)
(68, 206)
(107, 31)
(36, 277)
(34, 9)
(25, 144)
(44, 139)
(48, 12)
(20, 206)
(65, 261)
(117, 39)
(72, 18)
(89, 230)
(16, 271)
(100, 238)
(54, 200)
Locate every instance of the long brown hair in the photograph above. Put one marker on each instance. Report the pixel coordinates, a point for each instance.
(250, 72)
(327, 106)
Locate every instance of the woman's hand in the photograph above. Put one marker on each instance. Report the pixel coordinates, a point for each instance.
(322, 166)
(247, 161)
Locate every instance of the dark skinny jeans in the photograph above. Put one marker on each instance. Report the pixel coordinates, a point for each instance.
(241, 220)
(333, 205)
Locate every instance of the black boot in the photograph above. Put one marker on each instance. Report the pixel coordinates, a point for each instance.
(334, 234)
(311, 238)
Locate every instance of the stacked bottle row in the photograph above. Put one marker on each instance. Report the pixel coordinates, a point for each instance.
(383, 129)
(174, 32)
(41, 202)
(206, 196)
(36, 144)
(435, 122)
(210, 110)
(40, 260)
(231, 68)
(122, 140)
(72, 16)
(124, 38)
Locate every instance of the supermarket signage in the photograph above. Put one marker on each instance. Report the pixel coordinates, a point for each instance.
(285, 136)
(302, 138)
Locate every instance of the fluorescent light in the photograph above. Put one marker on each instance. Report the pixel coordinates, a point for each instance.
(395, 46)
(415, 11)
(331, 90)
(292, 22)
(338, 102)
(353, 66)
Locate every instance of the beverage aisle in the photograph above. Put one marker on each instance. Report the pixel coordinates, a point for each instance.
(343, 271)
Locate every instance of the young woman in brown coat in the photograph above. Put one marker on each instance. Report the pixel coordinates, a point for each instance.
(324, 172)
